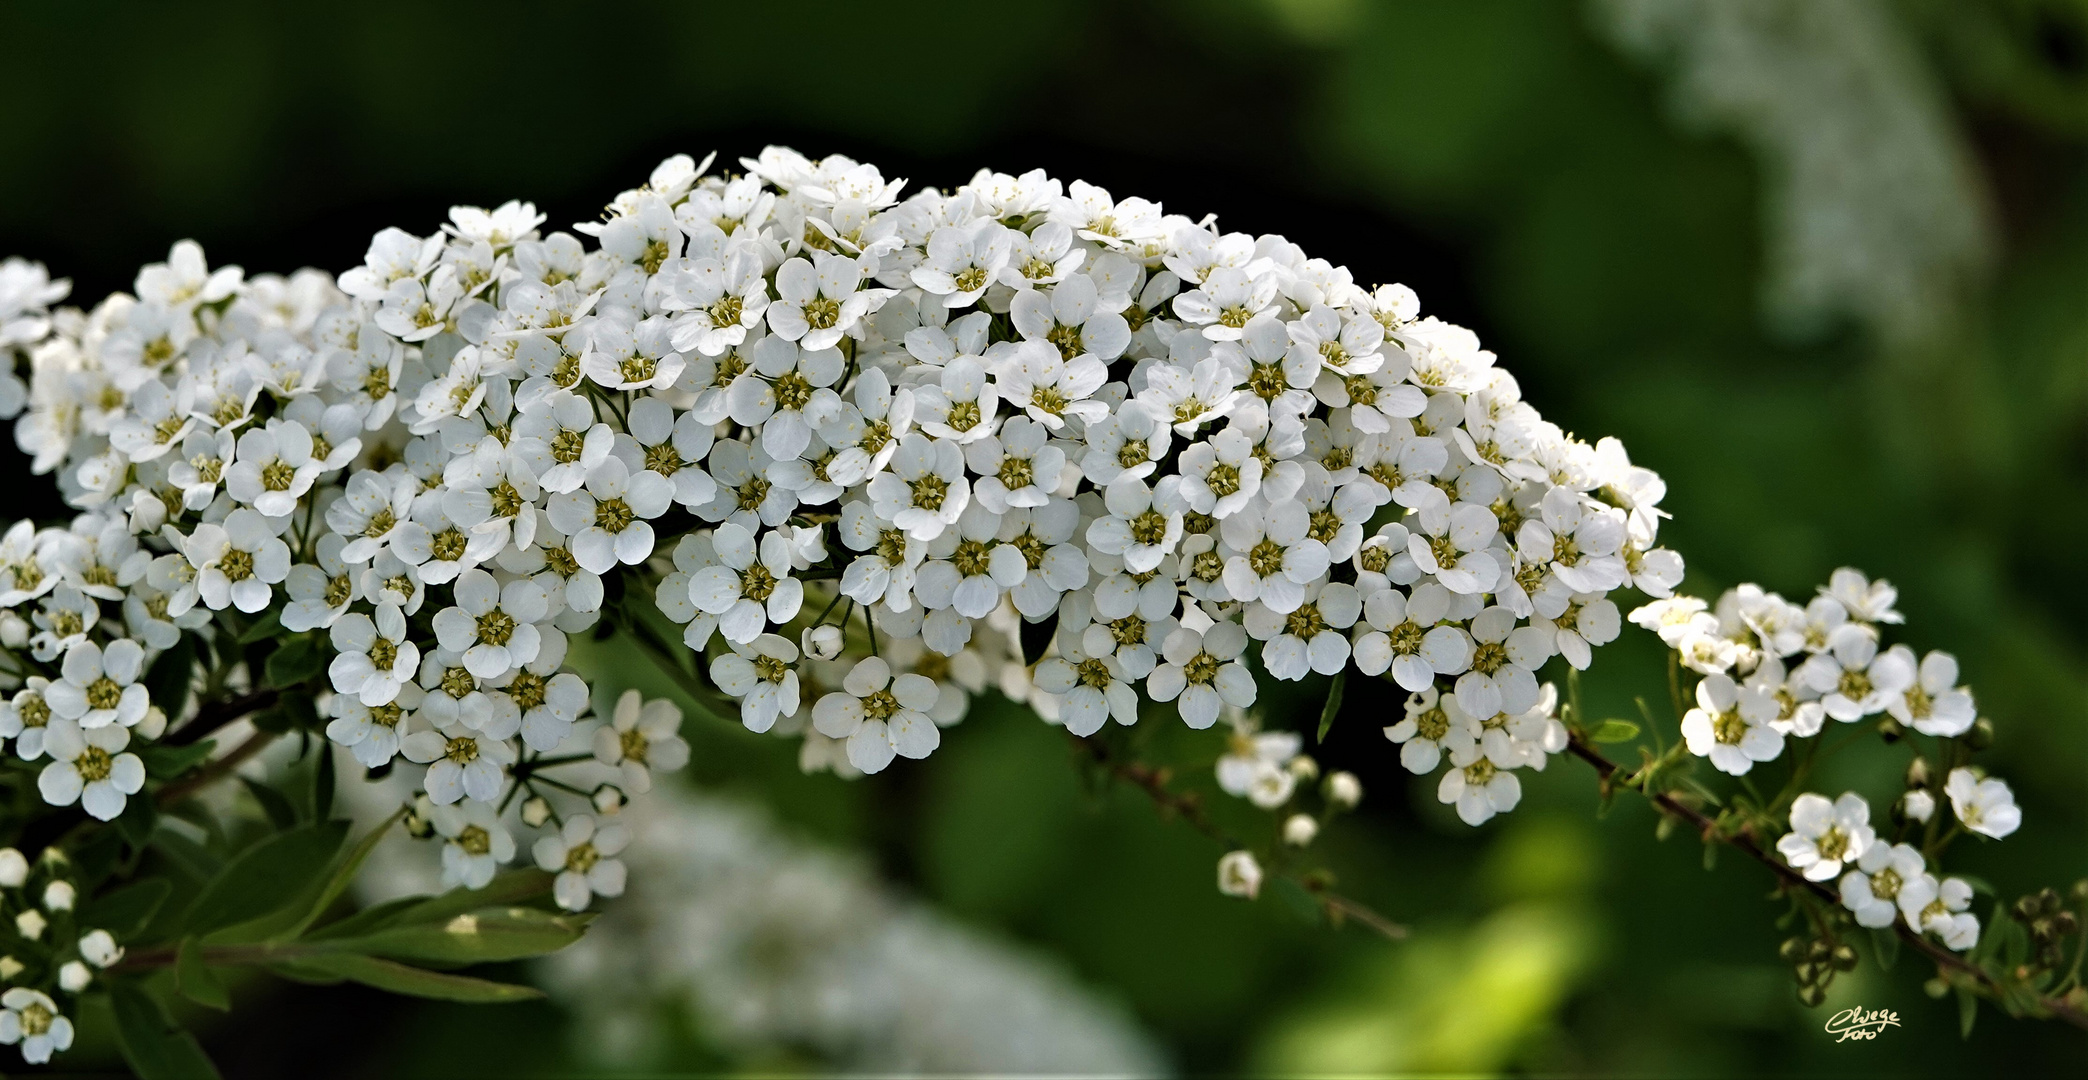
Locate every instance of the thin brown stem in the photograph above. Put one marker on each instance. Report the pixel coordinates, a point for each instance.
(1188, 806)
(213, 715)
(1744, 842)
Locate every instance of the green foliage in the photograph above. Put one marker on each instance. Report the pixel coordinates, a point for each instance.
(153, 1044)
(1614, 731)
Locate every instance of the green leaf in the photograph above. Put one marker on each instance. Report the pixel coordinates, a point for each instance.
(322, 783)
(156, 1047)
(167, 680)
(190, 857)
(406, 979)
(265, 877)
(343, 873)
(1614, 731)
(139, 818)
(510, 887)
(293, 711)
(490, 936)
(1333, 706)
(366, 920)
(1886, 946)
(269, 625)
(278, 808)
(163, 762)
(299, 659)
(1968, 1011)
(127, 911)
(196, 981)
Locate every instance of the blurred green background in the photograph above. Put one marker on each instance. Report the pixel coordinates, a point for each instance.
(1822, 264)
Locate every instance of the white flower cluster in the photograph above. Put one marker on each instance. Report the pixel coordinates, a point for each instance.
(30, 1017)
(1774, 670)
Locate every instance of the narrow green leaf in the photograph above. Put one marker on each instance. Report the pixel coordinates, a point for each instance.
(125, 912)
(489, 936)
(322, 800)
(298, 659)
(1968, 1011)
(273, 803)
(269, 625)
(510, 887)
(265, 877)
(156, 1047)
(139, 818)
(416, 982)
(196, 981)
(164, 762)
(1886, 945)
(343, 874)
(190, 857)
(167, 680)
(1614, 731)
(1333, 706)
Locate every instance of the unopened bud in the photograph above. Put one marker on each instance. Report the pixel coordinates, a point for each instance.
(1918, 805)
(98, 947)
(1981, 736)
(1792, 950)
(1304, 768)
(59, 896)
(14, 868)
(418, 825)
(1918, 773)
(152, 725)
(1239, 874)
(1812, 996)
(74, 977)
(9, 968)
(821, 642)
(608, 799)
(1820, 950)
(30, 924)
(1844, 958)
(1806, 973)
(1344, 790)
(1299, 830)
(14, 632)
(1891, 730)
(2080, 891)
(535, 811)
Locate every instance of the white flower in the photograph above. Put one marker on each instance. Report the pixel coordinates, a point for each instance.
(1854, 679)
(26, 718)
(1143, 524)
(461, 762)
(1432, 724)
(562, 441)
(1038, 379)
(98, 947)
(319, 594)
(1310, 637)
(475, 844)
(1256, 767)
(100, 686)
(642, 736)
(373, 658)
(1299, 830)
(90, 767)
(818, 302)
(925, 491)
(786, 394)
(1221, 475)
(723, 300)
(1129, 442)
(608, 520)
(493, 626)
(1094, 687)
(1454, 547)
(1203, 669)
(751, 587)
(1227, 302)
(670, 447)
(30, 1017)
(1016, 468)
(1479, 788)
(1732, 730)
(968, 568)
(1503, 663)
(1984, 804)
(1864, 599)
(630, 358)
(237, 562)
(1403, 637)
(1933, 703)
(759, 673)
(880, 715)
(1939, 908)
(963, 260)
(961, 403)
(372, 733)
(1873, 889)
(584, 858)
(1825, 835)
(1239, 874)
(1073, 318)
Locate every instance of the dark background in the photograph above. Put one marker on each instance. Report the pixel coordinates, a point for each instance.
(1505, 160)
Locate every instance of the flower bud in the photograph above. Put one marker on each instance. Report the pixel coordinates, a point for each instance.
(1792, 950)
(98, 947)
(152, 725)
(14, 868)
(1844, 958)
(1918, 773)
(30, 924)
(535, 811)
(74, 977)
(1918, 805)
(608, 799)
(417, 821)
(1807, 972)
(59, 896)
(9, 968)
(1820, 951)
(1299, 830)
(1812, 996)
(14, 632)
(1304, 768)
(1344, 790)
(1981, 736)
(2080, 891)
(1891, 730)
(1239, 874)
(821, 642)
